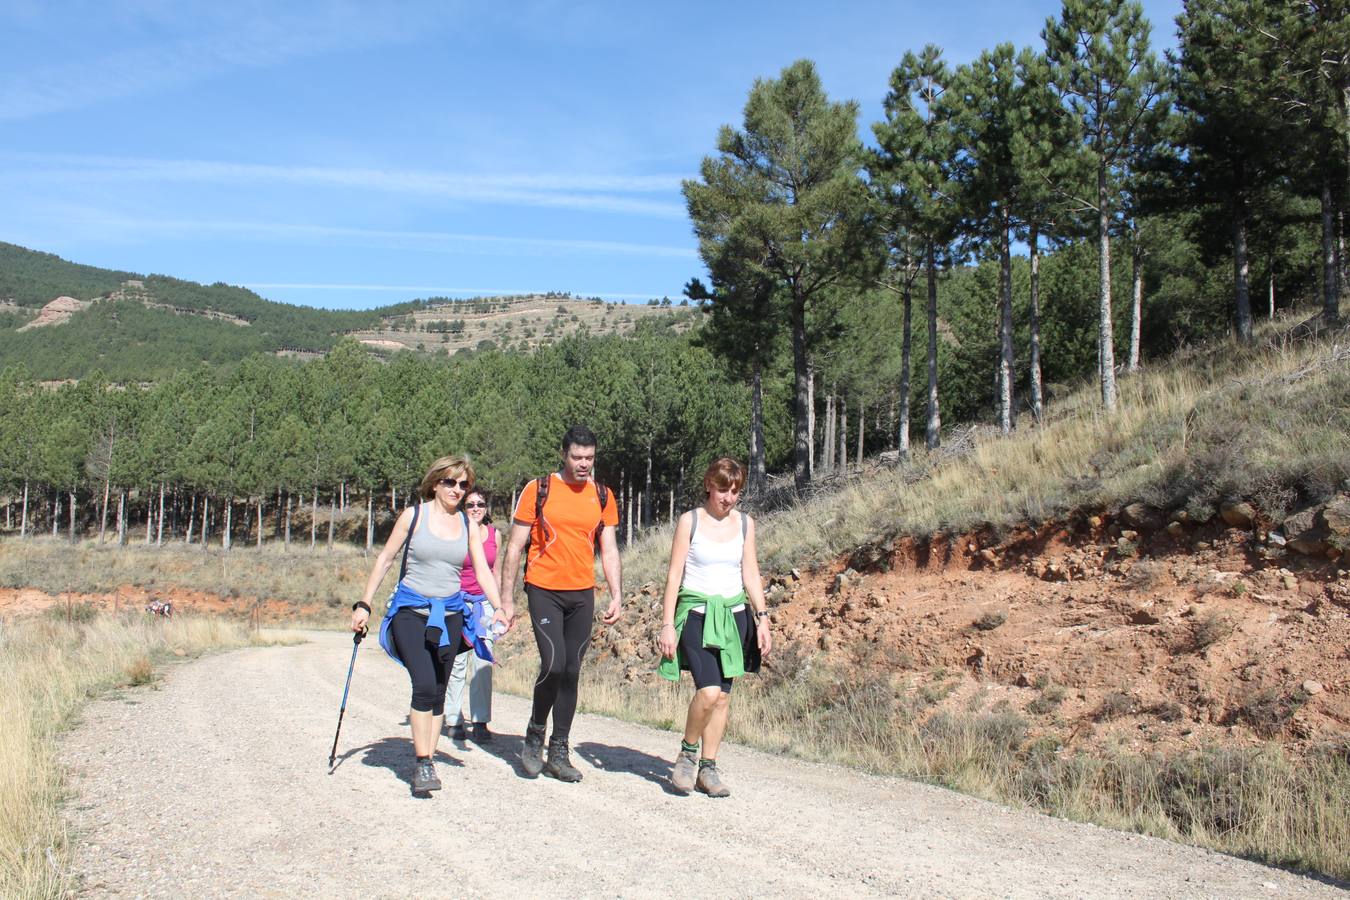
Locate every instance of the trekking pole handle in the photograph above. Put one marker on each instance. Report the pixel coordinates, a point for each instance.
(357, 637)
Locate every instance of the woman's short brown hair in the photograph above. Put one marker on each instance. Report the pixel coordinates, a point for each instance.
(723, 473)
(446, 467)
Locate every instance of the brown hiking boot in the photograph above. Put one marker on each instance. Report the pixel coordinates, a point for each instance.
(710, 783)
(685, 771)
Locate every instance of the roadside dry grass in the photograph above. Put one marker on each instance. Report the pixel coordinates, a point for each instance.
(48, 669)
(1257, 803)
(302, 576)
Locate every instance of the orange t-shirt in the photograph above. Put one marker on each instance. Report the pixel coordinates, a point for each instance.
(565, 561)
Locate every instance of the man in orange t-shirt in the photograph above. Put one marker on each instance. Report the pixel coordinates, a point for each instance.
(560, 587)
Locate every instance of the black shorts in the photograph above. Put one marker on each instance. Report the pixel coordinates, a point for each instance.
(703, 663)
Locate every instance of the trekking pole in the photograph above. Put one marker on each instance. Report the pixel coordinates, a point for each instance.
(356, 645)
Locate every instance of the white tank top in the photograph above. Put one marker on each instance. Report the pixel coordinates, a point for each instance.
(714, 567)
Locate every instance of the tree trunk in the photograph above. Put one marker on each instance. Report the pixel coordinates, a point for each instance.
(225, 534)
(370, 520)
(23, 519)
(810, 419)
(159, 528)
(933, 431)
(332, 517)
(72, 517)
(670, 515)
(260, 521)
(121, 518)
(1137, 304)
(288, 521)
(1272, 292)
(757, 427)
(645, 498)
(800, 451)
(192, 518)
(841, 455)
(393, 499)
(1037, 399)
(56, 512)
(906, 363)
(628, 505)
(314, 519)
(1007, 415)
(1330, 296)
(206, 520)
(103, 514)
(1241, 290)
(827, 438)
(862, 423)
(1105, 331)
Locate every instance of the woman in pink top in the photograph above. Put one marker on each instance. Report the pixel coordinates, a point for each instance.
(478, 672)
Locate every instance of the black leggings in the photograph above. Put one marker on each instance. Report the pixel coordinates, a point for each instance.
(426, 665)
(562, 629)
(705, 664)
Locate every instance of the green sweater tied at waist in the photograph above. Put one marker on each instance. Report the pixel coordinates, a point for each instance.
(719, 632)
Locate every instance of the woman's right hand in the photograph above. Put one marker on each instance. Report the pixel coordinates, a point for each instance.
(359, 619)
(666, 641)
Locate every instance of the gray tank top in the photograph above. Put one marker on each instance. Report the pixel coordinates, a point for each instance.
(434, 563)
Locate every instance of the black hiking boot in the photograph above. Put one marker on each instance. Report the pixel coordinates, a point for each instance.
(560, 762)
(532, 754)
(480, 733)
(457, 733)
(425, 780)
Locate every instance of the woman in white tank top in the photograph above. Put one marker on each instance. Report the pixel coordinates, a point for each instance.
(712, 587)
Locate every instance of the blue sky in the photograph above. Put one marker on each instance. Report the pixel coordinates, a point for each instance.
(352, 154)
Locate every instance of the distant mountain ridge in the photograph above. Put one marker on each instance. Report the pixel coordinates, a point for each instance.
(60, 319)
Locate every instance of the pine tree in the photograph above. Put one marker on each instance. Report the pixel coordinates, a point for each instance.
(1111, 86)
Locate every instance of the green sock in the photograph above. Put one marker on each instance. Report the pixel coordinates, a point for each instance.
(706, 763)
(687, 747)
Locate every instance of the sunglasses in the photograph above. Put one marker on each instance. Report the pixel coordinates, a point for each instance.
(462, 484)
(479, 505)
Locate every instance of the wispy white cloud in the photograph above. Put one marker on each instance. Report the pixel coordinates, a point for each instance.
(433, 241)
(603, 193)
(204, 39)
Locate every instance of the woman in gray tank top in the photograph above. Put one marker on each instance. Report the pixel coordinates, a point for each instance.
(425, 625)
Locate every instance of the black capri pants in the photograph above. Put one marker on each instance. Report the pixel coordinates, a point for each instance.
(427, 666)
(703, 663)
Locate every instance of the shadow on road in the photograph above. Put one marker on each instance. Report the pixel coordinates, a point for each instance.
(630, 761)
(394, 754)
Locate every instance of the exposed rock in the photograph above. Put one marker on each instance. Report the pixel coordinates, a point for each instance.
(1176, 529)
(1304, 533)
(1276, 539)
(1142, 517)
(1336, 518)
(56, 312)
(1238, 514)
(1312, 687)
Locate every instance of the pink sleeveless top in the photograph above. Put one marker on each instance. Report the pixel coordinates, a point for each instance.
(468, 578)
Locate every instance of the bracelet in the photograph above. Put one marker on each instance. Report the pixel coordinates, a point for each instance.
(361, 604)
(762, 614)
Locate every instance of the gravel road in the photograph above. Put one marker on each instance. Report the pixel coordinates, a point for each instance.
(215, 783)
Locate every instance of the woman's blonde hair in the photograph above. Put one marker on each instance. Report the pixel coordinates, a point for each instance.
(457, 467)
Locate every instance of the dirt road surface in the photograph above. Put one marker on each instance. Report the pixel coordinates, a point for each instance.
(214, 783)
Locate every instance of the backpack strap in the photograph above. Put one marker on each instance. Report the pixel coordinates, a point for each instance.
(407, 542)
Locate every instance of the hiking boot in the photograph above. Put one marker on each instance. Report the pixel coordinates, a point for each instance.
(457, 733)
(685, 771)
(560, 763)
(710, 783)
(532, 754)
(425, 780)
(481, 735)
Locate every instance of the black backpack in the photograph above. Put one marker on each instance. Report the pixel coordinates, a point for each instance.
(541, 497)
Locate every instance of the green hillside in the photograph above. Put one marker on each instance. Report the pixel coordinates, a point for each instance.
(134, 327)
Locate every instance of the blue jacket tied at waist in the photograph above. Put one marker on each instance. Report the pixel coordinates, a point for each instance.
(438, 608)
